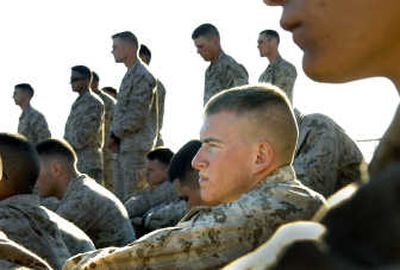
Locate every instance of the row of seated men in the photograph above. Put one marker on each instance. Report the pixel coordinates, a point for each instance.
(247, 190)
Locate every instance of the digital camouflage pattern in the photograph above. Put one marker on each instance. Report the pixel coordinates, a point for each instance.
(15, 256)
(33, 125)
(282, 74)
(210, 237)
(84, 130)
(25, 222)
(143, 201)
(109, 105)
(97, 212)
(164, 215)
(223, 74)
(160, 103)
(135, 124)
(326, 158)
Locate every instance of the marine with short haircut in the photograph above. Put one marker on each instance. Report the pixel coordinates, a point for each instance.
(109, 104)
(84, 128)
(245, 172)
(32, 124)
(185, 179)
(145, 56)
(279, 71)
(83, 201)
(21, 217)
(223, 72)
(134, 127)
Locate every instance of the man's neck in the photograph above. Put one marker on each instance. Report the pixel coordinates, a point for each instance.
(273, 57)
(130, 61)
(217, 54)
(25, 106)
(83, 91)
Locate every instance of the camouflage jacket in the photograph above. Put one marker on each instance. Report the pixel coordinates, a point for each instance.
(25, 222)
(14, 256)
(139, 204)
(209, 237)
(109, 105)
(84, 130)
(97, 212)
(223, 74)
(134, 120)
(282, 74)
(326, 158)
(160, 103)
(32, 124)
(164, 215)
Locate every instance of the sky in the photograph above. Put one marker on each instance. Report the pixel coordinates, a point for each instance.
(43, 39)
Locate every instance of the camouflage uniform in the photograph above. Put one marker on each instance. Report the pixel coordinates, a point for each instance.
(209, 237)
(109, 104)
(135, 125)
(160, 102)
(22, 219)
(139, 204)
(223, 74)
(33, 126)
(14, 256)
(84, 130)
(282, 74)
(97, 212)
(164, 215)
(326, 158)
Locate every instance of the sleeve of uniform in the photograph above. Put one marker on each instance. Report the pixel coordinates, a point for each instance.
(165, 215)
(90, 122)
(41, 128)
(131, 110)
(316, 160)
(286, 79)
(237, 75)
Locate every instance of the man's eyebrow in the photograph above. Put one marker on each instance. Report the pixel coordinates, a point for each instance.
(211, 140)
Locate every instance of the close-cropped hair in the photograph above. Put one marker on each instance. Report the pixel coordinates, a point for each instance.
(110, 89)
(181, 165)
(267, 107)
(271, 34)
(95, 77)
(25, 87)
(162, 154)
(83, 70)
(205, 30)
(128, 37)
(55, 148)
(145, 51)
(21, 164)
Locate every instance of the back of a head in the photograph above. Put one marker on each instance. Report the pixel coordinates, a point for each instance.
(271, 34)
(57, 149)
(21, 165)
(25, 87)
(127, 37)
(161, 154)
(268, 110)
(83, 71)
(205, 30)
(365, 228)
(95, 77)
(145, 52)
(181, 165)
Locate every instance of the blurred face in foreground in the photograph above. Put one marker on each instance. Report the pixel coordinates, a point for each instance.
(345, 40)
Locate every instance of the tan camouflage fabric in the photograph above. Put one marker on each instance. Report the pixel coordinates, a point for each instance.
(142, 202)
(282, 74)
(134, 123)
(109, 105)
(164, 215)
(388, 150)
(210, 237)
(25, 222)
(97, 212)
(33, 125)
(15, 256)
(84, 130)
(326, 158)
(223, 74)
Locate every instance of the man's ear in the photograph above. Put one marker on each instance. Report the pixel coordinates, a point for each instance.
(264, 157)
